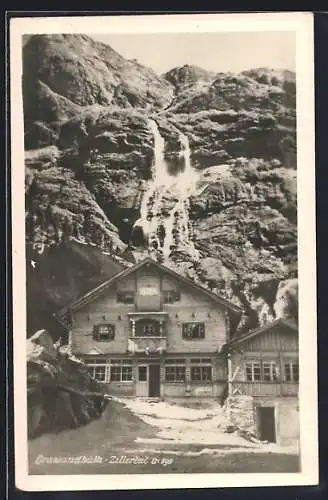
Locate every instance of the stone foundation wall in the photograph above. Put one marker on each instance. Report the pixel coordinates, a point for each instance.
(240, 413)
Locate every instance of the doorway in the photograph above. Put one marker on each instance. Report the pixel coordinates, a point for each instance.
(267, 424)
(154, 387)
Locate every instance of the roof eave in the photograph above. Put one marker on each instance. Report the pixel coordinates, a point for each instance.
(258, 331)
(103, 286)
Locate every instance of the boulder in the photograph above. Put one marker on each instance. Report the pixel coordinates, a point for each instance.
(61, 393)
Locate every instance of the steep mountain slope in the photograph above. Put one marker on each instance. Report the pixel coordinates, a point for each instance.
(90, 153)
(84, 72)
(58, 274)
(250, 114)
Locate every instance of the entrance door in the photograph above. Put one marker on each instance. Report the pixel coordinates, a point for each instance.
(142, 382)
(154, 381)
(267, 427)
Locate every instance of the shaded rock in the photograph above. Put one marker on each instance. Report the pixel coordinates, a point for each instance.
(61, 393)
(49, 288)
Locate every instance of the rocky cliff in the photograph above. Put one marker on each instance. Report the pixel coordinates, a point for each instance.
(61, 393)
(91, 150)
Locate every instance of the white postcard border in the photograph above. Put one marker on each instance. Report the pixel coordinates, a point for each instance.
(302, 25)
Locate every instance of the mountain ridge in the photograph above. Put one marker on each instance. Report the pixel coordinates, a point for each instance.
(90, 152)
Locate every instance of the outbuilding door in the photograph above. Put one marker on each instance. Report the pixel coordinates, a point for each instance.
(267, 424)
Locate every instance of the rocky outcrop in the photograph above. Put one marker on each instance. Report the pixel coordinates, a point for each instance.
(61, 393)
(58, 274)
(75, 70)
(90, 153)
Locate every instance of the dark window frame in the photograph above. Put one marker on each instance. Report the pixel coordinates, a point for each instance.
(291, 374)
(189, 335)
(102, 336)
(262, 371)
(96, 369)
(122, 370)
(252, 368)
(270, 371)
(142, 369)
(144, 324)
(175, 374)
(201, 373)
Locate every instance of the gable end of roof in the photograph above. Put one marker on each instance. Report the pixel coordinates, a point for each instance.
(259, 331)
(88, 297)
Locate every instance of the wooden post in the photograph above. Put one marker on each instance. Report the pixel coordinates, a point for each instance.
(229, 375)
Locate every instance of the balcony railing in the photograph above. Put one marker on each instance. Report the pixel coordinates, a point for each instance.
(264, 388)
(147, 345)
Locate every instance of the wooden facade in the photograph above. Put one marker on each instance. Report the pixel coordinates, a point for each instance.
(265, 362)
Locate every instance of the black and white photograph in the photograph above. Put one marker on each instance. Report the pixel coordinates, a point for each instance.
(163, 251)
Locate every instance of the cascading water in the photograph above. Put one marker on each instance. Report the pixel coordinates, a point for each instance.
(166, 230)
(177, 226)
(151, 194)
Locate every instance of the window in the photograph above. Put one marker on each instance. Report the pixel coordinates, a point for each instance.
(97, 369)
(175, 372)
(121, 370)
(142, 373)
(125, 297)
(291, 372)
(253, 371)
(203, 371)
(147, 328)
(192, 331)
(270, 371)
(100, 373)
(267, 371)
(103, 332)
(171, 296)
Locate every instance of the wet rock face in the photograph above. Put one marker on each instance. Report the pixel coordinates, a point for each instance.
(61, 393)
(90, 155)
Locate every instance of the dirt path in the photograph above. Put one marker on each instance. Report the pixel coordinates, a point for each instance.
(140, 437)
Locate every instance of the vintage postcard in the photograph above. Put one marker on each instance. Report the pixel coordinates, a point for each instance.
(164, 288)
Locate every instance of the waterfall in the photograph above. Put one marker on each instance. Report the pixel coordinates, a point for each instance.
(159, 166)
(152, 198)
(178, 220)
(189, 175)
(167, 230)
(184, 141)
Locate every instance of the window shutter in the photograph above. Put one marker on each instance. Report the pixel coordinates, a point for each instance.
(104, 332)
